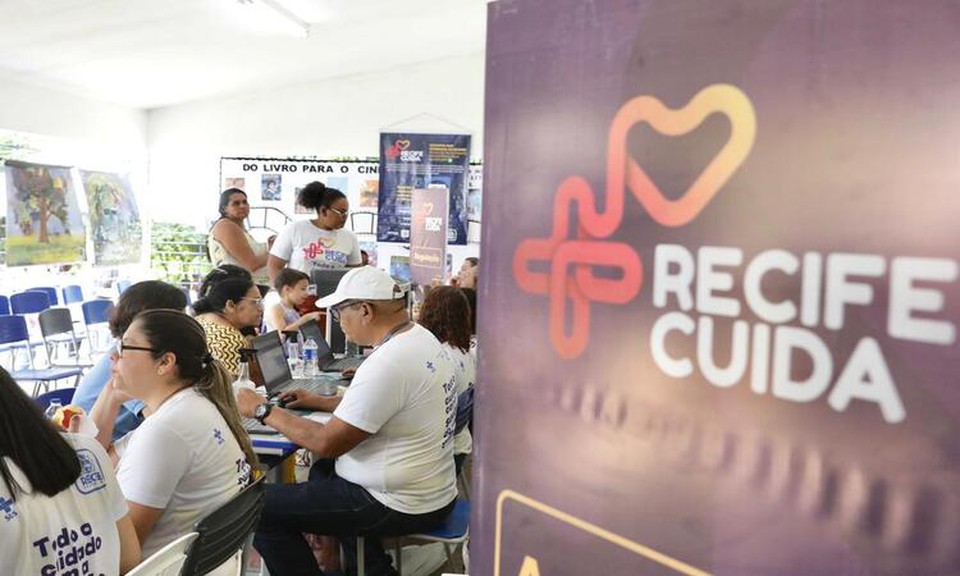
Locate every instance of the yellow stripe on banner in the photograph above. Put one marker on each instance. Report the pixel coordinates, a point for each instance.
(597, 531)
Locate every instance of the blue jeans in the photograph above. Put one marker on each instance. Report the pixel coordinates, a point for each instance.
(329, 505)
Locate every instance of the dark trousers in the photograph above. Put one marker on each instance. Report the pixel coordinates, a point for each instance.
(329, 505)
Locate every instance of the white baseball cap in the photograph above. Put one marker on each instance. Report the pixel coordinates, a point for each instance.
(364, 283)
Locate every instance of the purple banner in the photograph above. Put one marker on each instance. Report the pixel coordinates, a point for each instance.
(721, 288)
(428, 235)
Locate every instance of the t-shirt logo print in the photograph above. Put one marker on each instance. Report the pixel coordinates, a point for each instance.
(573, 260)
(7, 509)
(91, 476)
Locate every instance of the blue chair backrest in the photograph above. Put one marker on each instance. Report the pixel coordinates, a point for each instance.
(64, 395)
(464, 409)
(72, 293)
(29, 302)
(13, 329)
(50, 291)
(96, 311)
(4, 306)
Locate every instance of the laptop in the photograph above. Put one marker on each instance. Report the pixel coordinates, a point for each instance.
(277, 378)
(325, 358)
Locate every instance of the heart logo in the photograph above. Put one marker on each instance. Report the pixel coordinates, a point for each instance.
(717, 99)
(402, 144)
(427, 208)
(570, 282)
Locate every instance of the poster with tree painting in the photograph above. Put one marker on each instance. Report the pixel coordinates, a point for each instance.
(44, 223)
(114, 218)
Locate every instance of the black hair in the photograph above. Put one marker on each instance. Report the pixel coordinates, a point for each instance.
(473, 260)
(142, 296)
(181, 335)
(471, 295)
(33, 443)
(316, 195)
(289, 277)
(226, 282)
(225, 199)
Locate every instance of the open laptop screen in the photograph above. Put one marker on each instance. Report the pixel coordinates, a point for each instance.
(311, 329)
(273, 364)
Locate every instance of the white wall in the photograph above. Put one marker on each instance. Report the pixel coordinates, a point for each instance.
(336, 117)
(32, 108)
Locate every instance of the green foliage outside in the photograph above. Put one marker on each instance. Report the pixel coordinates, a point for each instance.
(178, 254)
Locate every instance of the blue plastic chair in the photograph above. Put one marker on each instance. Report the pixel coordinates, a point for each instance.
(50, 292)
(29, 302)
(72, 294)
(96, 311)
(454, 530)
(64, 395)
(13, 334)
(4, 306)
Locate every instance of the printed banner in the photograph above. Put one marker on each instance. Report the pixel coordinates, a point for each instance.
(44, 224)
(114, 219)
(410, 162)
(275, 183)
(428, 235)
(723, 246)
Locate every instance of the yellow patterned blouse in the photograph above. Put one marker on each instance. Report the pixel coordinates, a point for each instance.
(224, 342)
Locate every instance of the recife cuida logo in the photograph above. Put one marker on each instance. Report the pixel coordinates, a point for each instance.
(694, 285)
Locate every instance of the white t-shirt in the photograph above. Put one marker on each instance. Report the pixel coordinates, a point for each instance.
(465, 368)
(404, 394)
(305, 247)
(75, 530)
(183, 459)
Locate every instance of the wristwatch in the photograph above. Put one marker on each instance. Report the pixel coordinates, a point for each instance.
(262, 411)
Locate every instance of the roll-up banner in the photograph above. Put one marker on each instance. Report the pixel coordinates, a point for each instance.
(720, 295)
(410, 162)
(428, 235)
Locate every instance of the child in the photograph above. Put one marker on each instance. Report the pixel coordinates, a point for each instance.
(291, 285)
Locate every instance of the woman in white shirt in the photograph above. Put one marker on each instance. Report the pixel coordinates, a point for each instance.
(191, 454)
(61, 509)
(319, 243)
(446, 314)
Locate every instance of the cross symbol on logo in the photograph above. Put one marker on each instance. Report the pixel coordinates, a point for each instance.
(218, 435)
(431, 367)
(6, 507)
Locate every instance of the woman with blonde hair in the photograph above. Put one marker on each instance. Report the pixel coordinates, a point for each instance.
(191, 454)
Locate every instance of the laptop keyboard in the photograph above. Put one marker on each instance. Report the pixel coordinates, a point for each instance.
(344, 364)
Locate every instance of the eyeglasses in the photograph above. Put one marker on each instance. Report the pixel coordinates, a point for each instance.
(257, 301)
(340, 213)
(121, 347)
(335, 310)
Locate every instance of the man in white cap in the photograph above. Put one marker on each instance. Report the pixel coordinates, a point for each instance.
(391, 435)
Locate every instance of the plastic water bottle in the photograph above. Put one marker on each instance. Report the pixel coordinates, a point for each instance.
(294, 360)
(243, 378)
(52, 409)
(309, 358)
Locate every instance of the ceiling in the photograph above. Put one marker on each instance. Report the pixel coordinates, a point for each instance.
(155, 53)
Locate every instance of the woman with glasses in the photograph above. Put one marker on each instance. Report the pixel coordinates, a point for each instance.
(191, 454)
(145, 295)
(230, 243)
(322, 242)
(229, 306)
